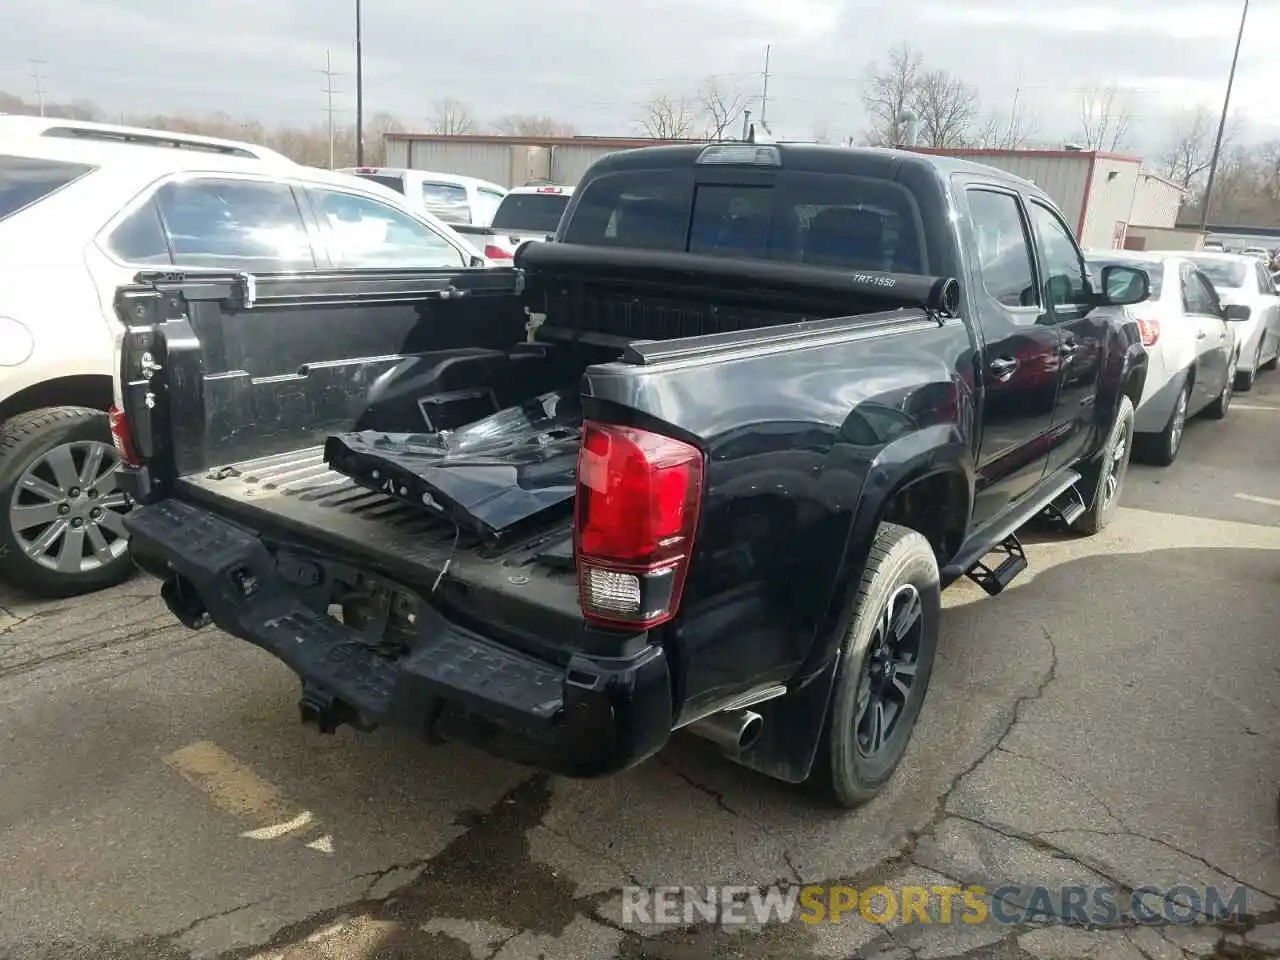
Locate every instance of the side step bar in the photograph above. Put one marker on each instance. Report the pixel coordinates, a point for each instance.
(1067, 507)
(994, 579)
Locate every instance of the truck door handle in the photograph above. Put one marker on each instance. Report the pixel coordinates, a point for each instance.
(1003, 367)
(1200, 335)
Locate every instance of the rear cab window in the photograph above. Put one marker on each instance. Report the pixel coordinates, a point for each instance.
(822, 219)
(393, 180)
(532, 212)
(27, 180)
(1228, 274)
(448, 201)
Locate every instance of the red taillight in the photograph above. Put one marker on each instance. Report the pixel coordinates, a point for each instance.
(122, 437)
(635, 514)
(551, 190)
(496, 253)
(1149, 327)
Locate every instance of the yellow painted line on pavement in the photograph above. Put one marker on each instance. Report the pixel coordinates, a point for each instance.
(236, 789)
(1252, 498)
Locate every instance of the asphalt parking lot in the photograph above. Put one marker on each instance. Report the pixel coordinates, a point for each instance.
(1112, 719)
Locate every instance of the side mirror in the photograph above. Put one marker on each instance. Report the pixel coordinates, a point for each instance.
(1123, 286)
(1235, 312)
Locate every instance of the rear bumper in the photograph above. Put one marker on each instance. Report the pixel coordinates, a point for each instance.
(589, 717)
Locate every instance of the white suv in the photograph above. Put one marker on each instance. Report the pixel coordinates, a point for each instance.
(83, 208)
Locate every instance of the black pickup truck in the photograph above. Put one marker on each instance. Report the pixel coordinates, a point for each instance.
(704, 462)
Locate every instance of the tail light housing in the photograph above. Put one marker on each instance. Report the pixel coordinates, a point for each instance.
(635, 515)
(496, 253)
(1149, 328)
(122, 437)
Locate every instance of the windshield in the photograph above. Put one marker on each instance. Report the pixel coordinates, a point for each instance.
(862, 223)
(1222, 273)
(24, 180)
(1154, 271)
(394, 181)
(532, 212)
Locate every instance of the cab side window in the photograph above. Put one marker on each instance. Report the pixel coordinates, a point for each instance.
(139, 238)
(364, 232)
(1208, 296)
(1003, 247)
(241, 224)
(1063, 268)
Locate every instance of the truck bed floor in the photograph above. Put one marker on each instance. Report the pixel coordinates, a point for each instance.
(297, 499)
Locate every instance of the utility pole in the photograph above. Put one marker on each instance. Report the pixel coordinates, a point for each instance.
(35, 75)
(1222, 123)
(329, 92)
(359, 91)
(764, 93)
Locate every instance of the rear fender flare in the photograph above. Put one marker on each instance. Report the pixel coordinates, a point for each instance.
(794, 724)
(934, 450)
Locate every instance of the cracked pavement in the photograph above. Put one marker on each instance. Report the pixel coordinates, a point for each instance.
(1111, 719)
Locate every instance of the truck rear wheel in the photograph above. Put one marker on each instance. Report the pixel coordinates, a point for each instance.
(60, 508)
(885, 665)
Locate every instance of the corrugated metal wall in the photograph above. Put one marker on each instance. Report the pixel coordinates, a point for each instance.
(1111, 200)
(1156, 202)
(510, 165)
(1063, 178)
(570, 162)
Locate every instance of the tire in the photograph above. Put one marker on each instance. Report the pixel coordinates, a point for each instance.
(57, 539)
(902, 575)
(1245, 379)
(1218, 409)
(1113, 462)
(1161, 449)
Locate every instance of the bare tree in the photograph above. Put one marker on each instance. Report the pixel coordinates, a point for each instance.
(1008, 131)
(451, 116)
(946, 107)
(721, 108)
(1189, 149)
(889, 90)
(532, 125)
(668, 118)
(1105, 116)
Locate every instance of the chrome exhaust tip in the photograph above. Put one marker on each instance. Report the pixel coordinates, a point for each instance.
(733, 731)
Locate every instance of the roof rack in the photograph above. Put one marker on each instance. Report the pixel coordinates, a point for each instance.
(86, 130)
(176, 141)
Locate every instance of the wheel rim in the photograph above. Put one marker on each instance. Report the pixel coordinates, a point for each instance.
(1115, 469)
(888, 679)
(67, 509)
(1179, 422)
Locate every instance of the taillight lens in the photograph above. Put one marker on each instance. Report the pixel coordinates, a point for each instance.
(1149, 327)
(496, 253)
(122, 437)
(636, 512)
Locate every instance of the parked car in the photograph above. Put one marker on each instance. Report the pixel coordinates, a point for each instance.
(455, 199)
(82, 213)
(526, 213)
(1191, 348)
(704, 463)
(1246, 281)
(15, 127)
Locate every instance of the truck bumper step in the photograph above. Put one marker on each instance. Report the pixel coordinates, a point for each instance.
(577, 719)
(1067, 507)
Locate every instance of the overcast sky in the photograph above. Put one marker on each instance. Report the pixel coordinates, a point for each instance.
(592, 62)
